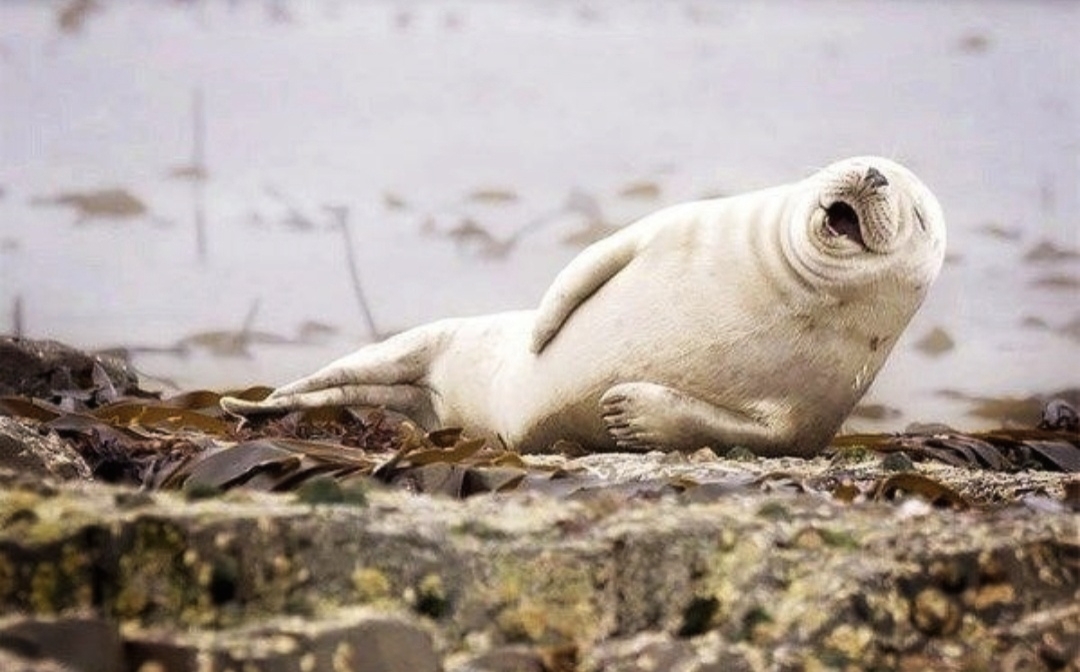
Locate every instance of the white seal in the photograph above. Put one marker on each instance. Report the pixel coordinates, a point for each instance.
(757, 321)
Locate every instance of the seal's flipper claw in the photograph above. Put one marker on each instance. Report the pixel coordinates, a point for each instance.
(243, 407)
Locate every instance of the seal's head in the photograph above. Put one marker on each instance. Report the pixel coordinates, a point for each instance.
(867, 219)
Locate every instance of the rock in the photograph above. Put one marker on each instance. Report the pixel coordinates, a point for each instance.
(1060, 415)
(26, 451)
(662, 652)
(75, 644)
(928, 428)
(648, 652)
(898, 461)
(746, 581)
(505, 659)
(47, 369)
(359, 640)
(13, 662)
(935, 613)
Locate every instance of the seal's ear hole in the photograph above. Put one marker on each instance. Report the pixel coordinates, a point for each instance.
(842, 220)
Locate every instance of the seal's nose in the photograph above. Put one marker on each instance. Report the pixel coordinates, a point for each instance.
(874, 179)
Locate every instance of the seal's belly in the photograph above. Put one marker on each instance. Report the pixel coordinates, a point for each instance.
(697, 335)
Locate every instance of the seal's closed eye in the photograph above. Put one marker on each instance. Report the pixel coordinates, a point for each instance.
(842, 220)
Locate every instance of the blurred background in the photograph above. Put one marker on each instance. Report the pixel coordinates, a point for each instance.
(235, 192)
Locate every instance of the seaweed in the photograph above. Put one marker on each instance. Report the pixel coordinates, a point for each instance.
(331, 455)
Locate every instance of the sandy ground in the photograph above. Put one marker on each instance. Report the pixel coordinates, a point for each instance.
(473, 143)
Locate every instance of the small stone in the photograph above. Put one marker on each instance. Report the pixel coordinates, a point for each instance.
(387, 644)
(928, 429)
(27, 452)
(353, 639)
(807, 539)
(47, 369)
(934, 613)
(647, 652)
(13, 662)
(674, 457)
(949, 574)
(850, 640)
(740, 454)
(994, 594)
(898, 461)
(1059, 415)
(506, 659)
(138, 499)
(851, 455)
(1072, 494)
(74, 643)
(702, 455)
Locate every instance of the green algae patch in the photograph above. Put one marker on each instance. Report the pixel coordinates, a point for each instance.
(44, 589)
(851, 455)
(371, 585)
(47, 579)
(774, 511)
(29, 518)
(49, 552)
(326, 490)
(157, 573)
(838, 538)
(543, 599)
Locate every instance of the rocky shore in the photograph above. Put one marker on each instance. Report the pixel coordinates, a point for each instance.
(860, 559)
(105, 578)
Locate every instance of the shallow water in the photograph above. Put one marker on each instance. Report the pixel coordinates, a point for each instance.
(472, 143)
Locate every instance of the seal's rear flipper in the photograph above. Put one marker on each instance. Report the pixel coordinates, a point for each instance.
(237, 406)
(408, 400)
(388, 375)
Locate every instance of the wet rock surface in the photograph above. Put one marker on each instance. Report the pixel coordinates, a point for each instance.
(345, 639)
(84, 643)
(778, 580)
(31, 453)
(48, 369)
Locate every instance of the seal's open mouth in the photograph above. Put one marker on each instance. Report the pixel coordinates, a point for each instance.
(842, 220)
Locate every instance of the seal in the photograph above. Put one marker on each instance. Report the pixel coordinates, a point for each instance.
(757, 320)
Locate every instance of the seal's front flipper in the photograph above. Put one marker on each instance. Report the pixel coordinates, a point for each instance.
(585, 274)
(646, 416)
